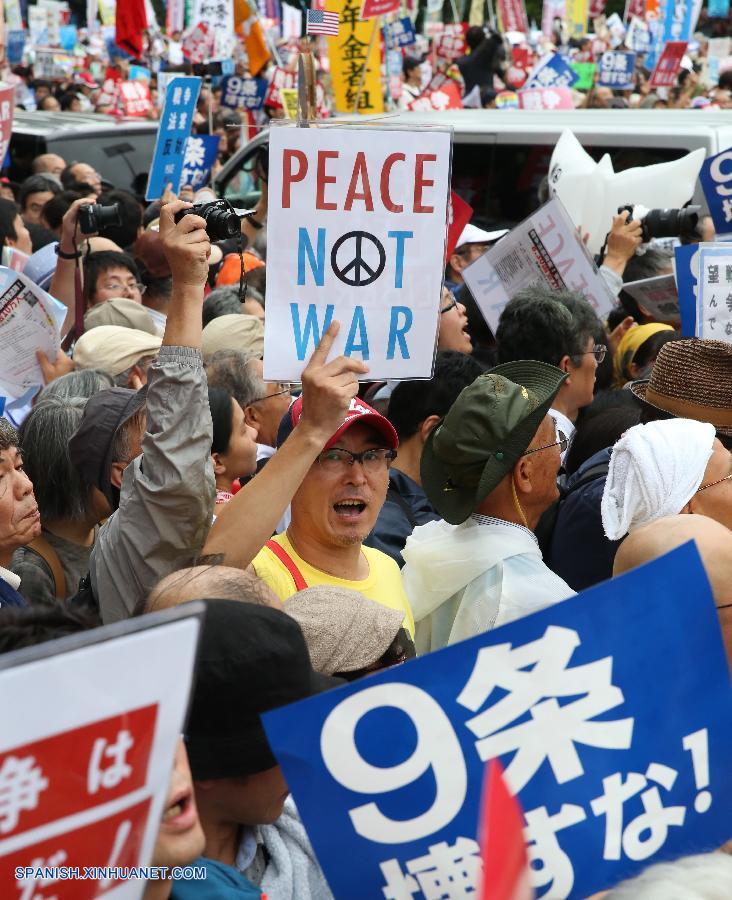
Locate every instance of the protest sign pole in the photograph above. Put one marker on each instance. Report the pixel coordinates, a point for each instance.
(374, 32)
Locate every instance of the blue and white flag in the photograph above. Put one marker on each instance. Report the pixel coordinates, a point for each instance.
(617, 70)
(176, 121)
(611, 733)
(399, 34)
(552, 71)
(200, 155)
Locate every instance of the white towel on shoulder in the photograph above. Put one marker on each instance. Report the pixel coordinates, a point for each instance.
(655, 469)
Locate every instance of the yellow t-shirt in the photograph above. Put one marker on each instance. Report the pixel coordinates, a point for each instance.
(384, 583)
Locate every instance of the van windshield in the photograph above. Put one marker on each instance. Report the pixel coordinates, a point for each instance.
(505, 183)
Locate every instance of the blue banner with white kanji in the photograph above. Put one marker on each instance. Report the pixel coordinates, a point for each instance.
(552, 71)
(243, 93)
(200, 155)
(612, 734)
(616, 70)
(176, 121)
(399, 34)
(715, 178)
(677, 21)
(686, 270)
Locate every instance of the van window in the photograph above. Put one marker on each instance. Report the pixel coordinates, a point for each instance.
(503, 182)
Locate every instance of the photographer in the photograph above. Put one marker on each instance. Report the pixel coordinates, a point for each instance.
(167, 491)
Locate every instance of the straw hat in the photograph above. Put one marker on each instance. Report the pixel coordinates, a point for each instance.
(692, 379)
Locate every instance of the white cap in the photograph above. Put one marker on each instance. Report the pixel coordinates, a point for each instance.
(471, 234)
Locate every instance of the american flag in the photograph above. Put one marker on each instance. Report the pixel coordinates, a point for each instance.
(320, 22)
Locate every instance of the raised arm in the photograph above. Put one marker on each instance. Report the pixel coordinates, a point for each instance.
(248, 521)
(63, 285)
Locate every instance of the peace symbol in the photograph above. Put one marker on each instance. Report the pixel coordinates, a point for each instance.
(358, 272)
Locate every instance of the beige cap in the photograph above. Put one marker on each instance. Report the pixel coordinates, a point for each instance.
(234, 332)
(113, 348)
(120, 311)
(344, 630)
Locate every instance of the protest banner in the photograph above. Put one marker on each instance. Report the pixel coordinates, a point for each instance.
(546, 98)
(668, 65)
(386, 772)
(718, 9)
(38, 26)
(617, 70)
(372, 9)
(140, 73)
(638, 37)
(352, 210)
(355, 60)
(7, 108)
(545, 249)
(176, 121)
(715, 178)
(551, 71)
(91, 725)
(657, 296)
(686, 273)
(446, 95)
(677, 20)
(54, 65)
(135, 98)
(450, 44)
(198, 44)
(585, 72)
(15, 45)
(576, 11)
(200, 155)
(218, 16)
(512, 14)
(27, 323)
(243, 93)
(281, 78)
(399, 33)
(714, 292)
(635, 8)
(289, 102)
(13, 15)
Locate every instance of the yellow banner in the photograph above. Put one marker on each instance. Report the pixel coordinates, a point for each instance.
(576, 12)
(347, 53)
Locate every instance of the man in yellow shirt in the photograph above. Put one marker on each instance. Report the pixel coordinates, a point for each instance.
(333, 510)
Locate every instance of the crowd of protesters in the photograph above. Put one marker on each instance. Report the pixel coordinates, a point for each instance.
(339, 526)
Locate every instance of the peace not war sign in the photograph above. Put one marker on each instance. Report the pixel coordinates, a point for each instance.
(357, 258)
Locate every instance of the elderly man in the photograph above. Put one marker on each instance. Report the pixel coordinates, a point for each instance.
(20, 521)
(472, 244)
(490, 469)
(333, 464)
(714, 543)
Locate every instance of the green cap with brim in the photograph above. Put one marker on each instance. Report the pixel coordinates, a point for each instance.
(484, 434)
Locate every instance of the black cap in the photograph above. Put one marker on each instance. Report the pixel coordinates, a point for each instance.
(251, 659)
(90, 447)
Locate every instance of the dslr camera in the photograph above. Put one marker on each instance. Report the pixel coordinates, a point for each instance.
(221, 220)
(664, 223)
(93, 217)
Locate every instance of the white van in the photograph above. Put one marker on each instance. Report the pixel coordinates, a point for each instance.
(500, 157)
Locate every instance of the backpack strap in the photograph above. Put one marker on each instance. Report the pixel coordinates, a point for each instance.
(289, 563)
(41, 546)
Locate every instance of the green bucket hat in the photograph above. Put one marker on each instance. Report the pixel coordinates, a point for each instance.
(484, 434)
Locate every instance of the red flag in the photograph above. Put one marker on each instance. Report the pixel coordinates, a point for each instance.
(131, 21)
(460, 214)
(503, 848)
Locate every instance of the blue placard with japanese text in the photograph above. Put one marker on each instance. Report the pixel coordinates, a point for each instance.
(554, 71)
(677, 21)
(399, 34)
(616, 70)
(181, 96)
(200, 155)
(614, 737)
(243, 93)
(714, 292)
(715, 178)
(686, 270)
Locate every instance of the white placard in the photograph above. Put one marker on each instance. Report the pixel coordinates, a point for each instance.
(544, 249)
(92, 722)
(27, 324)
(356, 234)
(658, 296)
(714, 292)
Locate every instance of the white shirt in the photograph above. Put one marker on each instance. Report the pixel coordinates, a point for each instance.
(463, 580)
(10, 577)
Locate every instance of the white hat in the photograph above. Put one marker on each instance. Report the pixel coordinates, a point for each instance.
(113, 348)
(471, 234)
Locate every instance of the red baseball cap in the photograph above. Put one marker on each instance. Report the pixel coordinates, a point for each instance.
(358, 412)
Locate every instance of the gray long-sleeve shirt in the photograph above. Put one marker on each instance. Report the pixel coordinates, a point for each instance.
(167, 496)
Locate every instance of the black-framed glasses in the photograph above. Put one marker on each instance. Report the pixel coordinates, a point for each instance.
(598, 351)
(284, 389)
(451, 303)
(562, 443)
(712, 483)
(336, 459)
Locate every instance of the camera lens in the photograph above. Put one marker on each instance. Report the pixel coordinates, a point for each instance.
(661, 223)
(221, 222)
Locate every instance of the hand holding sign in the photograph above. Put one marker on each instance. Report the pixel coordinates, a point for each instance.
(328, 388)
